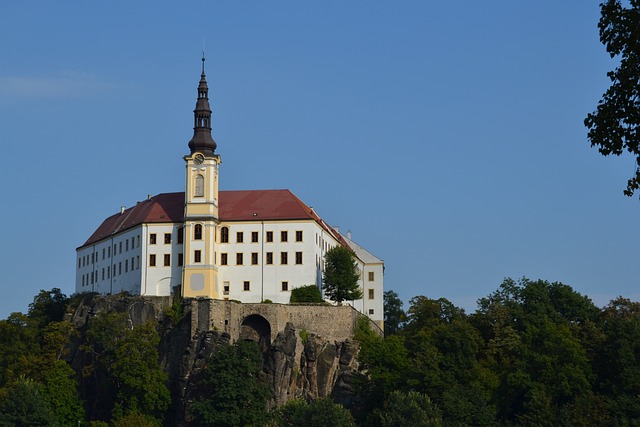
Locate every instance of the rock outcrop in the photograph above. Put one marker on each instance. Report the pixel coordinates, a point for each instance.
(297, 363)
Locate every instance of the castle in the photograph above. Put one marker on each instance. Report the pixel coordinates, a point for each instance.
(250, 246)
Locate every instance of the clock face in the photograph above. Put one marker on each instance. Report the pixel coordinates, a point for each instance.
(198, 159)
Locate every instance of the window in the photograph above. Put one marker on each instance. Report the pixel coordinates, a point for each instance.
(223, 259)
(199, 186)
(197, 232)
(180, 260)
(137, 262)
(79, 263)
(269, 236)
(225, 288)
(285, 286)
(180, 235)
(83, 280)
(254, 237)
(239, 237)
(224, 235)
(108, 273)
(152, 238)
(104, 250)
(167, 260)
(298, 257)
(284, 236)
(92, 277)
(239, 258)
(127, 245)
(371, 294)
(138, 241)
(131, 263)
(126, 265)
(109, 252)
(269, 257)
(197, 256)
(152, 260)
(372, 276)
(133, 243)
(299, 236)
(167, 238)
(254, 258)
(371, 311)
(119, 269)
(120, 246)
(284, 258)
(102, 273)
(247, 286)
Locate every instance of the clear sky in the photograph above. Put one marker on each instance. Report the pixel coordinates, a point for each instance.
(447, 136)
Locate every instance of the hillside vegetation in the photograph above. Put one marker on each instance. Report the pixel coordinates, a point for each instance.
(533, 353)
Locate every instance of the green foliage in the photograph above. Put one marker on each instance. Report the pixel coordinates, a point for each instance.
(133, 380)
(615, 125)
(18, 343)
(410, 409)
(234, 395)
(175, 311)
(304, 335)
(60, 390)
(306, 294)
(25, 405)
(318, 413)
(48, 306)
(394, 315)
(136, 420)
(267, 301)
(341, 275)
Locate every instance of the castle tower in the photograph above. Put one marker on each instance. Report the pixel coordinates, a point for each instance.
(199, 274)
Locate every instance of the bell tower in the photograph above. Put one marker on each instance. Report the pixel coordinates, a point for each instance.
(199, 273)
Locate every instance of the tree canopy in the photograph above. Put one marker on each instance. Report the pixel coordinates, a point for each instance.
(341, 275)
(614, 127)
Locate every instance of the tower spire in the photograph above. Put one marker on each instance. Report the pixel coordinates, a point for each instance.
(202, 140)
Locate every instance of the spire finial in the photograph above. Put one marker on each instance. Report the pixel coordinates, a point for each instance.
(202, 140)
(203, 57)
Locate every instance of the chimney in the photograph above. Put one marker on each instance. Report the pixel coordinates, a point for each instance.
(335, 227)
(122, 209)
(149, 196)
(349, 234)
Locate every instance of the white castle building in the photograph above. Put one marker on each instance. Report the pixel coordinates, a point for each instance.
(250, 246)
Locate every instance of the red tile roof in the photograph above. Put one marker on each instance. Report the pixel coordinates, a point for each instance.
(243, 205)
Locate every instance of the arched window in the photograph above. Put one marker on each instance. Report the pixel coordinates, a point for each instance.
(197, 232)
(199, 186)
(224, 235)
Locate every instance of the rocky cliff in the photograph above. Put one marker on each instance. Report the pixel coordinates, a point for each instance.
(297, 363)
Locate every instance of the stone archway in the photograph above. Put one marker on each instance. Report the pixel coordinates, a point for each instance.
(257, 329)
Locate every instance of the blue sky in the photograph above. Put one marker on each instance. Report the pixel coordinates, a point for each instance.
(447, 136)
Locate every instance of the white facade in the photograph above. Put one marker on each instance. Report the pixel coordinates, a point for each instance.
(250, 246)
(275, 256)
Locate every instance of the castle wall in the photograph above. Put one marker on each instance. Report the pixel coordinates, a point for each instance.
(329, 322)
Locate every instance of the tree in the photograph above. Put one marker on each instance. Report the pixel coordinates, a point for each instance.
(615, 125)
(127, 367)
(394, 315)
(410, 409)
(341, 275)
(60, 390)
(25, 406)
(48, 306)
(318, 413)
(234, 394)
(309, 293)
